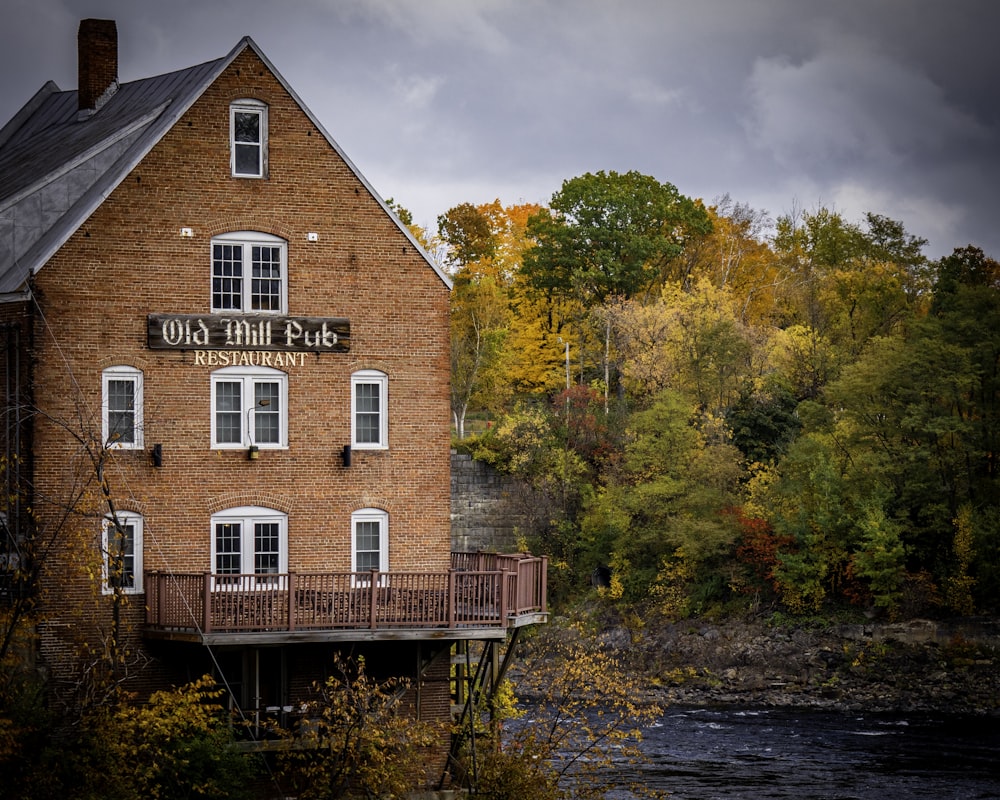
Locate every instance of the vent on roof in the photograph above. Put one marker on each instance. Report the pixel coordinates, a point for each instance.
(97, 43)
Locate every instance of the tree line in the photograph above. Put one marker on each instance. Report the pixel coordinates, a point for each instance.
(728, 411)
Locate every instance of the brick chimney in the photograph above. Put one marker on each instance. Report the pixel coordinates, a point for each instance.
(97, 43)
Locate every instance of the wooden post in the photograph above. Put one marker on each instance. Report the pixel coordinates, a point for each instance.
(544, 583)
(155, 617)
(206, 626)
(450, 599)
(291, 601)
(374, 604)
(504, 598)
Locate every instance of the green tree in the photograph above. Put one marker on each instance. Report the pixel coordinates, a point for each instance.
(966, 267)
(763, 422)
(808, 504)
(609, 234)
(677, 476)
(880, 559)
(849, 282)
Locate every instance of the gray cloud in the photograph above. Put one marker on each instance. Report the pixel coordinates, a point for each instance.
(884, 106)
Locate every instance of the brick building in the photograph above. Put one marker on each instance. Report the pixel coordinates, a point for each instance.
(227, 396)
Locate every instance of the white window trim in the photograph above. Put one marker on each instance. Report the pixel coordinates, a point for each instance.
(246, 516)
(371, 376)
(248, 376)
(126, 518)
(248, 239)
(119, 373)
(248, 107)
(370, 515)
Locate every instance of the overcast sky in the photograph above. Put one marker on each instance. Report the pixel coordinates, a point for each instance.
(889, 106)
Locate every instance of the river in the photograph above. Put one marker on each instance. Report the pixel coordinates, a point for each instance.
(716, 754)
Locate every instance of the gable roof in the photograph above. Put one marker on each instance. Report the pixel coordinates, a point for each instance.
(46, 140)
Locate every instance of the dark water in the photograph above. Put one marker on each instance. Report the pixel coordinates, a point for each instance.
(701, 754)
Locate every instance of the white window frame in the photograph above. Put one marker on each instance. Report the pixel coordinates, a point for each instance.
(381, 517)
(258, 109)
(126, 519)
(247, 517)
(370, 377)
(122, 374)
(248, 377)
(246, 240)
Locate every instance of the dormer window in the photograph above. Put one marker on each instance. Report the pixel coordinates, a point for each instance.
(248, 273)
(248, 139)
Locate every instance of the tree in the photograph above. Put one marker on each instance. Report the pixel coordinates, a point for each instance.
(467, 232)
(179, 745)
(810, 512)
(692, 341)
(353, 740)
(484, 245)
(880, 558)
(587, 716)
(968, 267)
(736, 257)
(427, 241)
(607, 234)
(678, 475)
(763, 422)
(847, 282)
(479, 320)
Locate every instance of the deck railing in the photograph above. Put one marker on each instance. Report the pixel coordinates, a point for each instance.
(481, 590)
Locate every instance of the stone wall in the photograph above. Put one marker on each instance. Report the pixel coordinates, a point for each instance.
(483, 516)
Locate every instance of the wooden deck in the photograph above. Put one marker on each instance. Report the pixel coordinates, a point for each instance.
(483, 594)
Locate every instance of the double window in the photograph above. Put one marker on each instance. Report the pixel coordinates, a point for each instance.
(121, 407)
(369, 410)
(121, 550)
(249, 273)
(249, 407)
(369, 540)
(249, 546)
(248, 139)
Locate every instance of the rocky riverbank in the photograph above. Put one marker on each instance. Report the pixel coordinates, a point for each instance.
(913, 666)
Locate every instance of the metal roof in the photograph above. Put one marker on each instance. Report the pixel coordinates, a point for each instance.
(53, 136)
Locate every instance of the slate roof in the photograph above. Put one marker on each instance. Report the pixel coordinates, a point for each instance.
(46, 139)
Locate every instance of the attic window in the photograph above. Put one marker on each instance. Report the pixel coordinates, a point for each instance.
(248, 139)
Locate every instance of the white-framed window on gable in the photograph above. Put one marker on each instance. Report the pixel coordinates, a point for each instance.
(249, 273)
(249, 547)
(369, 540)
(248, 139)
(121, 552)
(249, 407)
(121, 407)
(369, 410)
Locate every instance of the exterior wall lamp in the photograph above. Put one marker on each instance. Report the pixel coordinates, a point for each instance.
(156, 454)
(253, 452)
(345, 455)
